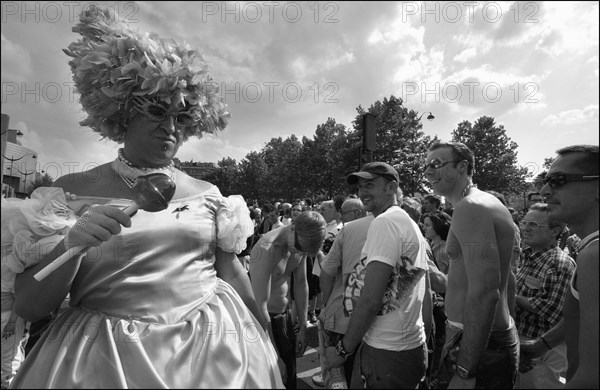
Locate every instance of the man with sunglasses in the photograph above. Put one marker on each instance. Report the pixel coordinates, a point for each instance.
(571, 191)
(482, 347)
(277, 257)
(541, 286)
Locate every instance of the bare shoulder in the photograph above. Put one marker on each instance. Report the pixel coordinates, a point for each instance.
(188, 186)
(478, 204)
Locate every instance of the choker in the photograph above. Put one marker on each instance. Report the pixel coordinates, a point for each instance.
(465, 191)
(129, 172)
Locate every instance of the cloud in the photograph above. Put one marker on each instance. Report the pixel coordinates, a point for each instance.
(572, 117)
(213, 148)
(369, 52)
(465, 55)
(16, 62)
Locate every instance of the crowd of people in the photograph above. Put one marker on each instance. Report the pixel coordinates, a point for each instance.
(454, 289)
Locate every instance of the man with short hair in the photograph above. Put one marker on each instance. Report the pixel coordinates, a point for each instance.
(328, 211)
(542, 284)
(431, 202)
(278, 256)
(336, 268)
(384, 293)
(482, 345)
(533, 198)
(571, 192)
(270, 220)
(351, 209)
(331, 215)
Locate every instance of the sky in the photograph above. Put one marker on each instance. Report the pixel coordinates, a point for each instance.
(283, 68)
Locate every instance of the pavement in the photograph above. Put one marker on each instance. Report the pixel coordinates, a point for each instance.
(308, 364)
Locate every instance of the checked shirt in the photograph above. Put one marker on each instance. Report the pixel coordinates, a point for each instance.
(543, 277)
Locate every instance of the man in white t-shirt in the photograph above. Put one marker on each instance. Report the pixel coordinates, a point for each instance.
(385, 292)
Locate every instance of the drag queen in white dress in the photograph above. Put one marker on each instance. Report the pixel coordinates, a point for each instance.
(159, 300)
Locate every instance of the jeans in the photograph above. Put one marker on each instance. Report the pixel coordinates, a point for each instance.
(382, 369)
(285, 342)
(498, 367)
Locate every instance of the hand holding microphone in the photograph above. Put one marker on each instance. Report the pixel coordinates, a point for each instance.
(98, 224)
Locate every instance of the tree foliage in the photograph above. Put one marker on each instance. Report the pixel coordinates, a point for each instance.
(400, 141)
(496, 165)
(44, 181)
(316, 167)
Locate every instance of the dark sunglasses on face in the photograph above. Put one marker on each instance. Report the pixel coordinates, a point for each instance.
(437, 164)
(556, 181)
(158, 113)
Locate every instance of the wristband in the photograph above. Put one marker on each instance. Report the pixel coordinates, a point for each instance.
(341, 351)
(545, 342)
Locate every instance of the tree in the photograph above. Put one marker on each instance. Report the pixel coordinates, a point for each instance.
(538, 181)
(495, 156)
(281, 156)
(400, 141)
(323, 164)
(225, 177)
(44, 181)
(253, 177)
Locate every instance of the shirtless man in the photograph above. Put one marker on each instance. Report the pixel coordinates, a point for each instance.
(479, 246)
(276, 257)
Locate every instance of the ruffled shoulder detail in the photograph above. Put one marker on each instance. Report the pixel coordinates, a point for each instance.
(31, 228)
(234, 225)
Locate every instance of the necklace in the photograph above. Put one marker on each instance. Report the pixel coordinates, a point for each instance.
(129, 172)
(465, 191)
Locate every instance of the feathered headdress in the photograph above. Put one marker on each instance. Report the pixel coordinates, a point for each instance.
(112, 64)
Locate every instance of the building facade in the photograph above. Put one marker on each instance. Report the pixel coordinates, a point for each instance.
(19, 163)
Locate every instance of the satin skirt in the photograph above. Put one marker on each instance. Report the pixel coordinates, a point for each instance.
(219, 344)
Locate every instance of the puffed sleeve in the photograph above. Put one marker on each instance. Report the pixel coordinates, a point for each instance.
(234, 225)
(31, 228)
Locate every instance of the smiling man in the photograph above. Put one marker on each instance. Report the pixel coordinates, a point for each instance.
(384, 293)
(481, 337)
(542, 284)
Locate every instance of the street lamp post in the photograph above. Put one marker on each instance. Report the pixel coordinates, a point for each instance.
(430, 117)
(12, 160)
(25, 179)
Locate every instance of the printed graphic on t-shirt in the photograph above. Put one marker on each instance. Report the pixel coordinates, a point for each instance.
(402, 281)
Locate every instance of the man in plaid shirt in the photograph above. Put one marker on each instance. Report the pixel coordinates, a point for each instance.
(542, 283)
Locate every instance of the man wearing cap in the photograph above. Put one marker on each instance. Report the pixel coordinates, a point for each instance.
(384, 293)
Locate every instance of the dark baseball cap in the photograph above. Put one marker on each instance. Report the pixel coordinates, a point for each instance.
(372, 170)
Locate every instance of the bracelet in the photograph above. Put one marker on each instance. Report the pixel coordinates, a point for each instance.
(545, 342)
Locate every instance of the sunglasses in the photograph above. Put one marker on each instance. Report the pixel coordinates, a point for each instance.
(556, 181)
(158, 113)
(437, 164)
(531, 224)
